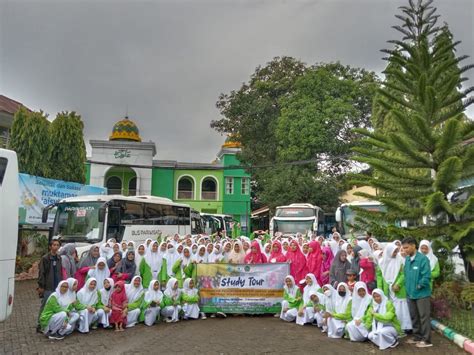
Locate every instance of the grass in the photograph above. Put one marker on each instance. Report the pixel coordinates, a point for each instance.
(462, 321)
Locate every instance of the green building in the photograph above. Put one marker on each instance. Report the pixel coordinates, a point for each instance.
(126, 165)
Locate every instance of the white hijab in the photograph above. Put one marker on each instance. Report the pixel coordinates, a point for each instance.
(171, 257)
(329, 300)
(86, 296)
(341, 303)
(105, 294)
(189, 291)
(64, 300)
(106, 251)
(390, 266)
(154, 259)
(133, 293)
(201, 259)
(433, 258)
(379, 308)
(310, 289)
(234, 257)
(151, 295)
(138, 257)
(71, 294)
(293, 289)
(99, 275)
(169, 291)
(359, 304)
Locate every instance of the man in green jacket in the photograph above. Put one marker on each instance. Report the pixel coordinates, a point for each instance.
(418, 288)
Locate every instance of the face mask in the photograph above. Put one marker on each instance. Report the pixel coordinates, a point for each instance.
(327, 293)
(108, 288)
(342, 293)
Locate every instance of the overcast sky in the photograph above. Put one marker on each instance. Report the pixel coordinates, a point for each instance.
(168, 61)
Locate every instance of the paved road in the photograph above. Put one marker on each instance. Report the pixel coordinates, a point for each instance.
(234, 335)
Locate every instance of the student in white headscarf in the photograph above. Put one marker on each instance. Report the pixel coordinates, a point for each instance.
(152, 303)
(306, 310)
(171, 256)
(90, 314)
(358, 327)
(172, 300)
(425, 248)
(291, 300)
(55, 319)
(237, 255)
(190, 299)
(201, 255)
(139, 255)
(135, 296)
(385, 325)
(100, 272)
(337, 319)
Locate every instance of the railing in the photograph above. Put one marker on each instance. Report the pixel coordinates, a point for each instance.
(185, 195)
(209, 195)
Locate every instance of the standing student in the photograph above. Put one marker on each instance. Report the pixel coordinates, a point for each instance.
(237, 255)
(391, 279)
(90, 314)
(104, 297)
(100, 272)
(85, 264)
(56, 320)
(418, 288)
(276, 255)
(183, 267)
(127, 268)
(298, 268)
(49, 275)
(171, 301)
(135, 296)
(425, 248)
(358, 328)
(291, 300)
(337, 319)
(314, 259)
(152, 266)
(68, 260)
(152, 303)
(326, 265)
(367, 267)
(190, 299)
(118, 303)
(385, 325)
(255, 256)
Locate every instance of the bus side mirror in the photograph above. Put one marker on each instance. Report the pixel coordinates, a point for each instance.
(44, 216)
(338, 215)
(102, 214)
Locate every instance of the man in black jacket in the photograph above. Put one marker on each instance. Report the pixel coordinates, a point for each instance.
(50, 273)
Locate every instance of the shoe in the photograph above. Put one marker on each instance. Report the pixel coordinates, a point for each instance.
(203, 315)
(168, 320)
(185, 318)
(221, 315)
(394, 345)
(423, 344)
(94, 327)
(412, 341)
(276, 315)
(56, 337)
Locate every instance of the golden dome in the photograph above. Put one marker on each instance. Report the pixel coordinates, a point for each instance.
(125, 130)
(231, 142)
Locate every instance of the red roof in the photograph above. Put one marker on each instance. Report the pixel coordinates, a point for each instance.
(9, 106)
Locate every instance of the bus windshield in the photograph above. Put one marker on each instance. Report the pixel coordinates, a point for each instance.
(293, 227)
(79, 222)
(294, 212)
(349, 215)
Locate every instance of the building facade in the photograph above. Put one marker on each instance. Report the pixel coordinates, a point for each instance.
(126, 165)
(8, 108)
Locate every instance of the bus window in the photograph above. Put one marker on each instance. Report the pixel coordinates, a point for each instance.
(132, 214)
(153, 214)
(3, 169)
(114, 228)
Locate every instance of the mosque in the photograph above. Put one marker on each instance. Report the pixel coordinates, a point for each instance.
(126, 165)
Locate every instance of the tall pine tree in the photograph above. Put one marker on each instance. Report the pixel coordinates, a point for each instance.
(68, 151)
(420, 159)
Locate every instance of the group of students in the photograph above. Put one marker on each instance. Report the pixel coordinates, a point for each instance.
(121, 284)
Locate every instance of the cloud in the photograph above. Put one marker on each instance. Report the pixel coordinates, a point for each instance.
(167, 61)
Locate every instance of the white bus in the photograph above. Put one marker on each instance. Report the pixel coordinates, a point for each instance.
(297, 218)
(346, 216)
(87, 220)
(9, 204)
(217, 222)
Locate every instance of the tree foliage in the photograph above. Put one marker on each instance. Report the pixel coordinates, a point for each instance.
(68, 151)
(291, 112)
(417, 152)
(30, 139)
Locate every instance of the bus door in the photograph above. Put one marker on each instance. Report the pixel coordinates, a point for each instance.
(115, 228)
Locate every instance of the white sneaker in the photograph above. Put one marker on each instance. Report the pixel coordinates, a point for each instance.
(203, 315)
(168, 320)
(423, 344)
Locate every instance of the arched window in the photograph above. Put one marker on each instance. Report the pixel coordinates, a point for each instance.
(185, 188)
(209, 189)
(114, 185)
(132, 187)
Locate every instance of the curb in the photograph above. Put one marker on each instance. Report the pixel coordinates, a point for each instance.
(458, 339)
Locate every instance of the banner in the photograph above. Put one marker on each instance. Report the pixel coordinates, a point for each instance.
(241, 288)
(37, 193)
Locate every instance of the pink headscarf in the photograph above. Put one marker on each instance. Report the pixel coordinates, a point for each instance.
(298, 268)
(277, 256)
(326, 265)
(256, 257)
(118, 298)
(315, 259)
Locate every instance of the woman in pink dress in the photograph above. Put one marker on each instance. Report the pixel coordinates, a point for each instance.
(315, 259)
(295, 256)
(326, 265)
(277, 255)
(255, 256)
